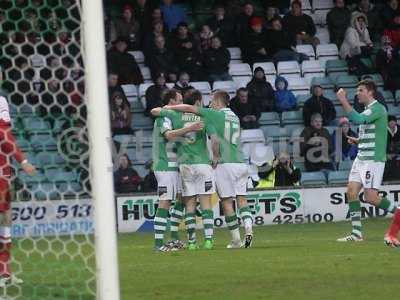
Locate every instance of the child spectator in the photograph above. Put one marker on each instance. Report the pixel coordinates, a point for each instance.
(285, 99)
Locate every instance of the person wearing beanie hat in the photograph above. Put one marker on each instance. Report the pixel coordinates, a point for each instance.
(255, 41)
(341, 143)
(261, 91)
(318, 104)
(128, 28)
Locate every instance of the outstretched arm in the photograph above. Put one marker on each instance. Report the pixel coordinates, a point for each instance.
(172, 135)
(184, 108)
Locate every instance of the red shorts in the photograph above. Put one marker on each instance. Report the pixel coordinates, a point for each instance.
(5, 195)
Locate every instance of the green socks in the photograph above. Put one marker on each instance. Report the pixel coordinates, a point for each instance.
(160, 225)
(176, 217)
(233, 226)
(208, 223)
(355, 216)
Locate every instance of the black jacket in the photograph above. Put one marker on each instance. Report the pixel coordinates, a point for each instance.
(162, 61)
(252, 42)
(262, 93)
(154, 97)
(323, 105)
(216, 61)
(126, 180)
(282, 176)
(244, 109)
(298, 24)
(279, 40)
(225, 29)
(126, 67)
(338, 19)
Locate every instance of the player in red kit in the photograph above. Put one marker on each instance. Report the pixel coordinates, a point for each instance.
(8, 149)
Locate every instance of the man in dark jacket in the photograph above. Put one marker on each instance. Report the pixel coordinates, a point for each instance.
(318, 104)
(183, 85)
(255, 41)
(223, 26)
(261, 91)
(338, 19)
(247, 111)
(300, 25)
(316, 146)
(123, 63)
(242, 21)
(126, 179)
(216, 61)
(155, 93)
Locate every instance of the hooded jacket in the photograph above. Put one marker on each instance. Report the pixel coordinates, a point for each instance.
(321, 105)
(261, 92)
(285, 100)
(355, 38)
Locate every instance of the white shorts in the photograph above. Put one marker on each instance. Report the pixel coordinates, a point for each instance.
(197, 179)
(231, 179)
(368, 173)
(168, 184)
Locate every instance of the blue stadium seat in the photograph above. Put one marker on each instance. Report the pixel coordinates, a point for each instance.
(338, 177)
(292, 117)
(33, 124)
(141, 121)
(43, 142)
(45, 191)
(345, 165)
(336, 65)
(313, 178)
(269, 118)
(325, 82)
(301, 99)
(275, 133)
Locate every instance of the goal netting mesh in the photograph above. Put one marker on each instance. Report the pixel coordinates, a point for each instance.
(52, 215)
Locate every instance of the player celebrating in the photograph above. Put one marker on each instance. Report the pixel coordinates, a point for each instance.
(231, 171)
(166, 171)
(8, 149)
(368, 167)
(195, 169)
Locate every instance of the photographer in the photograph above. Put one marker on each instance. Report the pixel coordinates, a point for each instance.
(280, 172)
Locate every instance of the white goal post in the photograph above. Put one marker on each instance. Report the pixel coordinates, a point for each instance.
(100, 150)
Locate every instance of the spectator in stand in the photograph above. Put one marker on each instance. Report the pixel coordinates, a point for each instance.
(378, 96)
(110, 33)
(316, 146)
(341, 143)
(162, 60)
(393, 150)
(182, 85)
(149, 39)
(150, 181)
(390, 9)
(255, 41)
(318, 104)
(261, 91)
(126, 179)
(121, 116)
(216, 61)
(285, 100)
(204, 37)
(338, 19)
(222, 26)
(248, 112)
(281, 5)
(373, 20)
(300, 25)
(186, 52)
(393, 70)
(279, 172)
(173, 14)
(156, 16)
(357, 44)
(123, 63)
(142, 8)
(113, 85)
(384, 58)
(281, 46)
(243, 21)
(155, 93)
(271, 13)
(128, 28)
(393, 31)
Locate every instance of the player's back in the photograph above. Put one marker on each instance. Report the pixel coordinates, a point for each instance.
(227, 127)
(373, 135)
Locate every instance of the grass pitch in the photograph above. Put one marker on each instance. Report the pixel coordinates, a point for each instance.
(286, 262)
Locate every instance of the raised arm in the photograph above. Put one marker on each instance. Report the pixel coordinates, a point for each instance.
(184, 108)
(173, 135)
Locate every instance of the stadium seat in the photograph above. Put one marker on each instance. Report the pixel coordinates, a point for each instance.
(146, 74)
(313, 178)
(140, 155)
(141, 169)
(345, 165)
(275, 133)
(268, 67)
(206, 99)
(242, 81)
(397, 97)
(141, 121)
(336, 65)
(346, 81)
(321, 9)
(377, 78)
(48, 160)
(288, 67)
(36, 125)
(301, 99)
(325, 82)
(393, 110)
(292, 117)
(137, 106)
(271, 79)
(311, 67)
(327, 50)
(307, 50)
(260, 154)
(240, 69)
(269, 118)
(45, 191)
(139, 57)
(229, 86)
(142, 92)
(338, 177)
(203, 86)
(252, 136)
(323, 35)
(298, 85)
(388, 95)
(24, 144)
(236, 54)
(130, 90)
(43, 142)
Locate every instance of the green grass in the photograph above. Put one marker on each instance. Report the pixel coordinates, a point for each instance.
(286, 262)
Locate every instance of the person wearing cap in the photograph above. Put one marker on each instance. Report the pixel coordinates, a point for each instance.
(340, 140)
(255, 41)
(318, 104)
(300, 25)
(173, 14)
(393, 150)
(129, 28)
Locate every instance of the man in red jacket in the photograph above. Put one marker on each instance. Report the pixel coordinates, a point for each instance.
(8, 149)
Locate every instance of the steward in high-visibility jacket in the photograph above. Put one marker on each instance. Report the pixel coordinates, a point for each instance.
(279, 172)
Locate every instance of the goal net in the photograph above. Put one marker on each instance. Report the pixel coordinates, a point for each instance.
(51, 213)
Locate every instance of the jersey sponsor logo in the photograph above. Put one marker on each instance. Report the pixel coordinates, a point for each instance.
(208, 186)
(162, 190)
